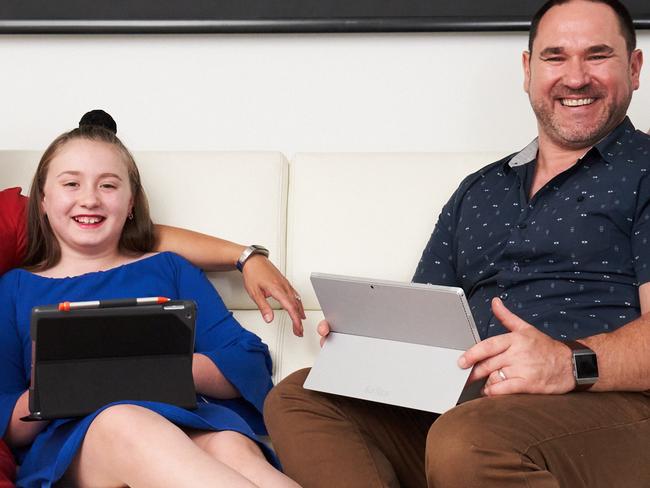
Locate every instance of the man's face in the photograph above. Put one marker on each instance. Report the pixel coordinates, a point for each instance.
(579, 76)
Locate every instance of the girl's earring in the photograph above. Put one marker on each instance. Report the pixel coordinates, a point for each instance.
(130, 216)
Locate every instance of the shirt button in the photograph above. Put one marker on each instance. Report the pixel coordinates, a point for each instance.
(516, 268)
(503, 296)
(522, 225)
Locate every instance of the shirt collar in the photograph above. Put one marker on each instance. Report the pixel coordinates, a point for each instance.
(606, 147)
(525, 156)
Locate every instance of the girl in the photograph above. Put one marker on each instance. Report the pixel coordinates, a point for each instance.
(90, 237)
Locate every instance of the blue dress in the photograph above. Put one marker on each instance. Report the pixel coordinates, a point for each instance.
(240, 355)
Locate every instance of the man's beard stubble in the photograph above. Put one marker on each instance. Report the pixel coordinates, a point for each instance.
(578, 135)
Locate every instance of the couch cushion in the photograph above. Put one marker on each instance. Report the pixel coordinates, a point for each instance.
(289, 353)
(293, 353)
(367, 215)
(239, 196)
(17, 168)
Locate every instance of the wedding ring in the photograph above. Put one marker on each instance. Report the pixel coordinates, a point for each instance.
(502, 375)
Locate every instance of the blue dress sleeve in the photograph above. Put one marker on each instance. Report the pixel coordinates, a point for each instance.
(240, 355)
(12, 373)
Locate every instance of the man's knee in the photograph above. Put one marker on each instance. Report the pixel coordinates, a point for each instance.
(284, 395)
(472, 443)
(449, 443)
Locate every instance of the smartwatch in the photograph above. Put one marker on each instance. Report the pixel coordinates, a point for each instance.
(585, 365)
(251, 251)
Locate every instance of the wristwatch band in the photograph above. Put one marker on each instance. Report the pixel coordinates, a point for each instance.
(251, 251)
(585, 365)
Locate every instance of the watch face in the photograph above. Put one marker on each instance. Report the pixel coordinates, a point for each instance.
(586, 366)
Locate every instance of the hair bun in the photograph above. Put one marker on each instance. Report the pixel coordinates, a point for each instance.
(99, 118)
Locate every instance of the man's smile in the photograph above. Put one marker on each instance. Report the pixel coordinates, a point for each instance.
(576, 102)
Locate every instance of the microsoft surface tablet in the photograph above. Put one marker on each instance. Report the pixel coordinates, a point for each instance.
(393, 342)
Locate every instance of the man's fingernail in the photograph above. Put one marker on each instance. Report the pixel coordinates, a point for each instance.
(462, 362)
(268, 317)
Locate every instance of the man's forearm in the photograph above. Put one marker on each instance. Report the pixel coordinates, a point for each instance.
(623, 359)
(206, 252)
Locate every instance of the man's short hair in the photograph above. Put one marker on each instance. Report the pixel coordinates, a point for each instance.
(621, 11)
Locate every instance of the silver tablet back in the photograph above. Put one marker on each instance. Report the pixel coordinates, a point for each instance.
(391, 342)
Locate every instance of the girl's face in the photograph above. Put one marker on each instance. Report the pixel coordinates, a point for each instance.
(87, 197)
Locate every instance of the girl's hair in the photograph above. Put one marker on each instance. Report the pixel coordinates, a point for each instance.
(43, 249)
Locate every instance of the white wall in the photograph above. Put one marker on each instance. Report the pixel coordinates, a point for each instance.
(386, 92)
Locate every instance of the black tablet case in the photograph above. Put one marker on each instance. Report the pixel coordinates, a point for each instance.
(84, 359)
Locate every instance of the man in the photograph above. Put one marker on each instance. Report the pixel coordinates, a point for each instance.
(559, 232)
(261, 278)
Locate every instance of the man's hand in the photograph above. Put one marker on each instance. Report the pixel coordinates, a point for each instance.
(323, 329)
(263, 280)
(529, 360)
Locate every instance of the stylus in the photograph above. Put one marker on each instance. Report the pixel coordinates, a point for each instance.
(122, 302)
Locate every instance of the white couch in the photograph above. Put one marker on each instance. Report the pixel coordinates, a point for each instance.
(346, 213)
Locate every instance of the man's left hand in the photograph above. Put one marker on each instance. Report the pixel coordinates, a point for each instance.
(263, 280)
(524, 360)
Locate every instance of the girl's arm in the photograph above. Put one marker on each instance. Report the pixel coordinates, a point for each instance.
(230, 361)
(261, 278)
(209, 380)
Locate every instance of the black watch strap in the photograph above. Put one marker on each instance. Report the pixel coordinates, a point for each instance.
(585, 365)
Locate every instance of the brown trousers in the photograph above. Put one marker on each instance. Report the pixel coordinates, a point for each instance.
(535, 441)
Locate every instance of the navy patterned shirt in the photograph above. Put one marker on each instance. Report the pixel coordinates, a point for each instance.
(570, 259)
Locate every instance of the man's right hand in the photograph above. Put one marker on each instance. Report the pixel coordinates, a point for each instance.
(323, 329)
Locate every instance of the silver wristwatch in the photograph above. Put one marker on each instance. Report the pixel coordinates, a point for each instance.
(251, 251)
(585, 365)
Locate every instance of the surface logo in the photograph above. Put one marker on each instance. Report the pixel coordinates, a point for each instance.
(376, 391)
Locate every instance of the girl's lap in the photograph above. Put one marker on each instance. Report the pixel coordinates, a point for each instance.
(67, 442)
(124, 431)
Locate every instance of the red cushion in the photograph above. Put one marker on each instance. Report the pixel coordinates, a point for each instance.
(7, 467)
(13, 239)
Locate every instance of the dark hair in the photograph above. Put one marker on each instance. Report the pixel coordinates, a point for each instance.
(43, 249)
(99, 118)
(622, 13)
